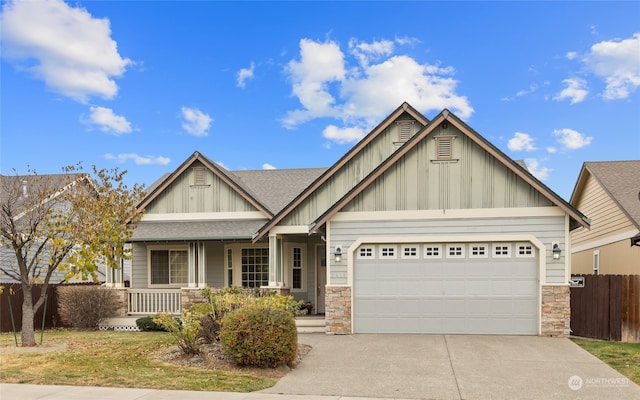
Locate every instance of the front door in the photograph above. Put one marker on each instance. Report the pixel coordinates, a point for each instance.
(321, 277)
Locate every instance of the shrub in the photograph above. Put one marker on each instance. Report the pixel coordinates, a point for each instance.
(260, 335)
(185, 333)
(147, 324)
(85, 307)
(224, 301)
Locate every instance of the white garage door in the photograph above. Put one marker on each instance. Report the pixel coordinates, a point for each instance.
(474, 288)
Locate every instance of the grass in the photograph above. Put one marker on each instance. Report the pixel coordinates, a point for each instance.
(623, 357)
(116, 359)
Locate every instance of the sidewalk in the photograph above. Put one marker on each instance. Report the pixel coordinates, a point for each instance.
(9, 391)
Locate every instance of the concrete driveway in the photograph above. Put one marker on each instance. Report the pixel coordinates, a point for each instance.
(452, 367)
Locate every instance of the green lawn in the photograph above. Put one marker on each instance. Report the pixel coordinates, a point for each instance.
(623, 357)
(122, 359)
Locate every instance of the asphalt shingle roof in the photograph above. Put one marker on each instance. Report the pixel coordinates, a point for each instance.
(621, 179)
(196, 230)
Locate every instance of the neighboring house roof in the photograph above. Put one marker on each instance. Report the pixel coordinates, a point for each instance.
(577, 218)
(195, 230)
(621, 181)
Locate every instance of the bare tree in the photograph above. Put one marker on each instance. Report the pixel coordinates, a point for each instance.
(66, 224)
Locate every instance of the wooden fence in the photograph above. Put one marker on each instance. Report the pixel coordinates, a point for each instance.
(13, 291)
(607, 307)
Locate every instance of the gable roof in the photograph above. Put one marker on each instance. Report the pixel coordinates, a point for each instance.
(577, 218)
(227, 177)
(619, 179)
(331, 171)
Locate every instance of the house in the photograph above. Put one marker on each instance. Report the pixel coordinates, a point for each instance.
(609, 193)
(422, 227)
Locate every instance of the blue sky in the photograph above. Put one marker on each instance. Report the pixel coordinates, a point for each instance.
(140, 85)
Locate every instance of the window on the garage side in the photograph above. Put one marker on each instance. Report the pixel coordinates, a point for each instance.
(478, 250)
(455, 250)
(410, 251)
(525, 250)
(296, 263)
(501, 250)
(366, 252)
(388, 251)
(432, 251)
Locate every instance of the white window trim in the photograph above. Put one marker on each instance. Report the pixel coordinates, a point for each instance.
(288, 265)
(485, 247)
(383, 247)
(236, 254)
(495, 245)
(361, 256)
(533, 250)
(428, 247)
(596, 262)
(180, 247)
(415, 247)
(450, 245)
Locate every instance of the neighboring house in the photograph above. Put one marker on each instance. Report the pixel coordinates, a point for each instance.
(609, 193)
(24, 186)
(422, 227)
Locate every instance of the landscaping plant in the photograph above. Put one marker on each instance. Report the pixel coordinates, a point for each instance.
(260, 335)
(185, 332)
(85, 307)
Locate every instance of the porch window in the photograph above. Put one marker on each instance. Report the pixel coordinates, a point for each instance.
(255, 267)
(169, 267)
(297, 268)
(229, 267)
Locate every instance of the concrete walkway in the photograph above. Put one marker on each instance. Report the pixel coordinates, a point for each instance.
(446, 367)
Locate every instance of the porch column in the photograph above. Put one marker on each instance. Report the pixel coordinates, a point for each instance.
(197, 265)
(275, 261)
(114, 278)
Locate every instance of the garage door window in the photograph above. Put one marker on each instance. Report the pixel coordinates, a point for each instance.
(501, 250)
(455, 251)
(388, 252)
(410, 251)
(478, 251)
(525, 250)
(366, 252)
(432, 251)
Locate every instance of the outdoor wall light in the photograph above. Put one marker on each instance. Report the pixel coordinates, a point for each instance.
(338, 254)
(556, 251)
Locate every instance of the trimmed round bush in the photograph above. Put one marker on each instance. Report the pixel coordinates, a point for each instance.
(260, 335)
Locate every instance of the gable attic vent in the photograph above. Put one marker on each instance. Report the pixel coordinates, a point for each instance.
(199, 176)
(444, 148)
(404, 130)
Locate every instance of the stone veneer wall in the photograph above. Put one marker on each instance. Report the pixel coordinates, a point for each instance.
(122, 300)
(556, 311)
(338, 310)
(190, 297)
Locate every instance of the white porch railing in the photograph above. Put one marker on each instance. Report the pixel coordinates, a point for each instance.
(153, 301)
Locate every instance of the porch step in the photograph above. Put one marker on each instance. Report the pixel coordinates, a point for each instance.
(305, 324)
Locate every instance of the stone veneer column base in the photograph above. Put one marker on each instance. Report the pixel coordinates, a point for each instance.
(338, 310)
(191, 296)
(122, 301)
(556, 311)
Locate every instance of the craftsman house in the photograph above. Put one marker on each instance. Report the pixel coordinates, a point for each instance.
(609, 193)
(422, 227)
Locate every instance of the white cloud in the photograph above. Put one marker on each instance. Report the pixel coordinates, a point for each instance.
(551, 150)
(245, 74)
(536, 169)
(137, 159)
(195, 121)
(571, 139)
(268, 166)
(618, 63)
(66, 47)
(108, 121)
(572, 55)
(343, 135)
(360, 95)
(575, 90)
(521, 142)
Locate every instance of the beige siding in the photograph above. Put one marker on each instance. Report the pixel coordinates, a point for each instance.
(616, 258)
(473, 180)
(353, 172)
(606, 217)
(182, 196)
